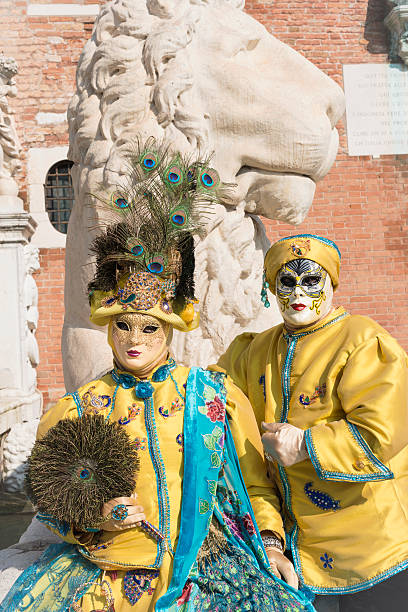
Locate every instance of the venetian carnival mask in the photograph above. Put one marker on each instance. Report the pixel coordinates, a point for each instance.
(304, 292)
(139, 342)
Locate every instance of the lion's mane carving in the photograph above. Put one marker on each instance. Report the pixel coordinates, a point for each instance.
(193, 72)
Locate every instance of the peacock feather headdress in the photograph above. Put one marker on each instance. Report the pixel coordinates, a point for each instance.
(145, 254)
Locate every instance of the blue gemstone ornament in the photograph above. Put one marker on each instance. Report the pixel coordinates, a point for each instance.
(119, 512)
(144, 390)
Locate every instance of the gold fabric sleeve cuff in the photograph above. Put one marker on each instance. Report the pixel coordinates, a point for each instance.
(338, 451)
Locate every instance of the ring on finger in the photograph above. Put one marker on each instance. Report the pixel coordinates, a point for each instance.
(119, 512)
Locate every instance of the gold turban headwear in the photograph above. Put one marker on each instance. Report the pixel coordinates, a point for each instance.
(143, 293)
(302, 246)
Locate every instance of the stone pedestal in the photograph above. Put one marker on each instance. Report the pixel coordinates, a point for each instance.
(20, 401)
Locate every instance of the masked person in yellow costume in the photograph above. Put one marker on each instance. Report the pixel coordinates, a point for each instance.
(188, 538)
(330, 392)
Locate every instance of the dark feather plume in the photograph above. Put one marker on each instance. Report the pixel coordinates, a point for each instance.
(78, 466)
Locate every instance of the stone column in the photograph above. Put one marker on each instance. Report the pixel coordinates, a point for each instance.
(20, 401)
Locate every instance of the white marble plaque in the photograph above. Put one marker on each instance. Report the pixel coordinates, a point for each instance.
(376, 108)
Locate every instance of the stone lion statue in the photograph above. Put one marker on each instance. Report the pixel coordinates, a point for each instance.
(204, 76)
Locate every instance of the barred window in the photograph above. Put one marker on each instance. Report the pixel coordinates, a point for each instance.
(59, 194)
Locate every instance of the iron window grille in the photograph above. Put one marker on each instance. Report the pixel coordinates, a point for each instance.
(59, 195)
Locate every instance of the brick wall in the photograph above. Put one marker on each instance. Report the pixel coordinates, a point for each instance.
(50, 282)
(361, 204)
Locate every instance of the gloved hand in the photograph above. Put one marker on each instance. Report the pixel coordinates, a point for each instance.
(284, 443)
(281, 567)
(135, 514)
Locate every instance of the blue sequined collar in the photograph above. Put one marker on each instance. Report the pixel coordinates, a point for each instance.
(338, 314)
(143, 388)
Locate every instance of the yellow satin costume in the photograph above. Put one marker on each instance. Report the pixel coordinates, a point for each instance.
(132, 548)
(344, 381)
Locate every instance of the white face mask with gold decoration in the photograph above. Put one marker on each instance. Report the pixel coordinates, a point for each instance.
(304, 292)
(140, 342)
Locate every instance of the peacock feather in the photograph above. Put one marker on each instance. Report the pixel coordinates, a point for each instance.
(164, 199)
(78, 466)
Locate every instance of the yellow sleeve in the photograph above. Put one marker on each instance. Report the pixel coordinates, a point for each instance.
(373, 391)
(65, 408)
(262, 493)
(234, 361)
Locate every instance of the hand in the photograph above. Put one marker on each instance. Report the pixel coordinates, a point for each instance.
(281, 567)
(133, 519)
(285, 443)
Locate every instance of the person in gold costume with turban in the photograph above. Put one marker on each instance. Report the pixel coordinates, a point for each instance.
(190, 537)
(329, 391)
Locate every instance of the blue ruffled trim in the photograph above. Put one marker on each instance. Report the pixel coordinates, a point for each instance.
(325, 241)
(161, 480)
(49, 521)
(77, 400)
(127, 381)
(384, 473)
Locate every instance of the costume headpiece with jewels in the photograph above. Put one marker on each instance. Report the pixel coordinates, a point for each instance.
(145, 255)
(302, 246)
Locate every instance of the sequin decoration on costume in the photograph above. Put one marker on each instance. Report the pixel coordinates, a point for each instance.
(180, 442)
(327, 561)
(144, 390)
(97, 545)
(305, 400)
(248, 524)
(137, 583)
(152, 531)
(320, 499)
(141, 444)
(262, 382)
(142, 291)
(106, 592)
(175, 407)
(165, 306)
(119, 512)
(264, 292)
(231, 581)
(300, 247)
(133, 411)
(92, 403)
